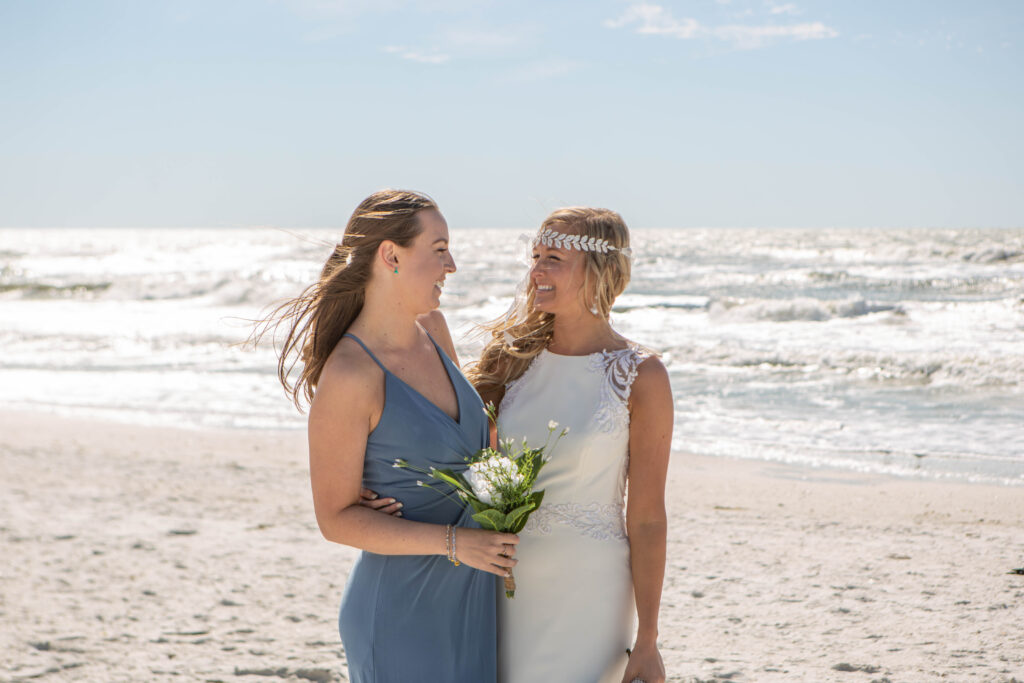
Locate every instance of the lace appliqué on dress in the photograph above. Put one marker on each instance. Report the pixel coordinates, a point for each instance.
(602, 522)
(620, 368)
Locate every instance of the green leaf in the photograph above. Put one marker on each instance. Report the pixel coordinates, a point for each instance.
(516, 519)
(491, 519)
(449, 477)
(537, 497)
(477, 505)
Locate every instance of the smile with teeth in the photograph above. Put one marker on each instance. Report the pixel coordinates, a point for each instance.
(439, 284)
(545, 288)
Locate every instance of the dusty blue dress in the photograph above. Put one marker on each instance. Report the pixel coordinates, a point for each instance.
(409, 618)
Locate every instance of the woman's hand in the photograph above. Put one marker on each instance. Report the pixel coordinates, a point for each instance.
(489, 551)
(370, 499)
(645, 663)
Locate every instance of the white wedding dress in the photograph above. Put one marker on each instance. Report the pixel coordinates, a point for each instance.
(573, 614)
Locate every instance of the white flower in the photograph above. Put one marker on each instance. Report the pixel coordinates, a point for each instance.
(552, 425)
(482, 489)
(488, 477)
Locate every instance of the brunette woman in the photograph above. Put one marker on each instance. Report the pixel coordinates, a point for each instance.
(378, 367)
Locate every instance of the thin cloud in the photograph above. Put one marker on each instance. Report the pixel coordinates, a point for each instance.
(650, 19)
(751, 37)
(416, 55)
(788, 8)
(656, 20)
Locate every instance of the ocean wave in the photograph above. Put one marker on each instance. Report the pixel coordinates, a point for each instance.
(635, 302)
(938, 370)
(791, 310)
(220, 289)
(41, 290)
(952, 261)
(995, 255)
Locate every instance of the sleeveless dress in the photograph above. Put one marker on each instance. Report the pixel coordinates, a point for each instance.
(409, 618)
(573, 614)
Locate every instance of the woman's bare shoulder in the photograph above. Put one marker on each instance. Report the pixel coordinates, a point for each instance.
(651, 379)
(349, 374)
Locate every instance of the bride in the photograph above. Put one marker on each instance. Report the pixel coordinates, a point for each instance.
(590, 554)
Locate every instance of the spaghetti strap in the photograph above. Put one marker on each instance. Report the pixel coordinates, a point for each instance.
(440, 352)
(365, 348)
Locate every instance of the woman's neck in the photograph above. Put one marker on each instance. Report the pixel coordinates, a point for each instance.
(581, 335)
(384, 325)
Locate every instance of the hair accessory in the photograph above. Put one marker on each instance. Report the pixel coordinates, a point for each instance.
(561, 240)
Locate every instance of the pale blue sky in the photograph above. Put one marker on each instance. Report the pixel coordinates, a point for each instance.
(700, 113)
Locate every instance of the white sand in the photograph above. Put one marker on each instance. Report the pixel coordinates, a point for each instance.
(148, 554)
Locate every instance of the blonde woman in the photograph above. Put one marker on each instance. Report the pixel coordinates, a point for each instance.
(379, 370)
(590, 562)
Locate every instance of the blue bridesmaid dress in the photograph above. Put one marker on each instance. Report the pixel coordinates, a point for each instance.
(409, 618)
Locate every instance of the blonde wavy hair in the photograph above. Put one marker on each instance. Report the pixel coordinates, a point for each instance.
(523, 332)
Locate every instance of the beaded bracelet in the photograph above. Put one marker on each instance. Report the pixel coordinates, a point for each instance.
(450, 545)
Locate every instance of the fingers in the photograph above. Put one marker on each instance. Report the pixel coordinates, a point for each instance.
(488, 551)
(391, 507)
(388, 506)
(504, 562)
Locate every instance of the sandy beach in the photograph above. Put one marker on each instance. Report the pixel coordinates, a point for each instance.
(153, 554)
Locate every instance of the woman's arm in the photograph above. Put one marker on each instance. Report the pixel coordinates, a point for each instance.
(650, 442)
(339, 424)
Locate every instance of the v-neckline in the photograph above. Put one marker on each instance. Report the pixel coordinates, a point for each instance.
(451, 382)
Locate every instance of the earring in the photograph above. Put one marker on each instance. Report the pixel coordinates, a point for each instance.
(593, 309)
(396, 270)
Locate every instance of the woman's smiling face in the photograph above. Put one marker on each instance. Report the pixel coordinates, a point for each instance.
(556, 275)
(426, 262)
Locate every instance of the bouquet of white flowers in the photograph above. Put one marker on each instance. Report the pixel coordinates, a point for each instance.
(498, 484)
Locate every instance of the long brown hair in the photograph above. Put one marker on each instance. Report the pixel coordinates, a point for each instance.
(318, 318)
(523, 332)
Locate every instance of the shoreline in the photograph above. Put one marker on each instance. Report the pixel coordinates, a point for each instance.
(842, 468)
(158, 553)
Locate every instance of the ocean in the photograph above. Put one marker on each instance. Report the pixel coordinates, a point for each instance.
(879, 351)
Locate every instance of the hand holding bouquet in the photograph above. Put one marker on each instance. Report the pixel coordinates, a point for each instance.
(498, 484)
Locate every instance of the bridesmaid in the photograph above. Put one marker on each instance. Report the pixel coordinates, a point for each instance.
(380, 373)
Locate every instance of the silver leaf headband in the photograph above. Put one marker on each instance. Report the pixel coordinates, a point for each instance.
(561, 240)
